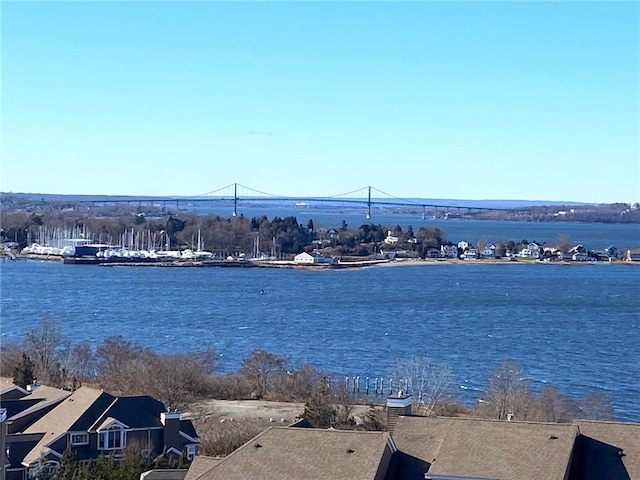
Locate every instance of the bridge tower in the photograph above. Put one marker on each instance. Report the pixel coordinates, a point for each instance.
(235, 200)
(369, 204)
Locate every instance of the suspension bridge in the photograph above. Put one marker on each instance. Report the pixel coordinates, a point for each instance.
(237, 194)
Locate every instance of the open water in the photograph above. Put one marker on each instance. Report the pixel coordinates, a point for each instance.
(576, 327)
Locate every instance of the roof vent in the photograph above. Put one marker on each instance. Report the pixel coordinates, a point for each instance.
(552, 437)
(257, 445)
(621, 453)
(350, 450)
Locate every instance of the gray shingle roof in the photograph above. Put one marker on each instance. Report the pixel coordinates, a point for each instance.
(484, 448)
(201, 465)
(167, 474)
(41, 398)
(283, 453)
(67, 416)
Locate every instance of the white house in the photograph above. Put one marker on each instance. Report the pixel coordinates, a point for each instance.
(390, 240)
(470, 254)
(488, 252)
(535, 249)
(304, 258)
(449, 250)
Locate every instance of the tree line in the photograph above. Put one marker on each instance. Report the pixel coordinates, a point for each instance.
(278, 237)
(178, 380)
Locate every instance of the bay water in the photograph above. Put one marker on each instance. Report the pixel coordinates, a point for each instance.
(576, 327)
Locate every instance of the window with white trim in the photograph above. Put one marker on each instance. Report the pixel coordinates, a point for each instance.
(191, 452)
(112, 438)
(79, 438)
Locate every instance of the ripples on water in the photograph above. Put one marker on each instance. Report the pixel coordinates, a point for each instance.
(573, 327)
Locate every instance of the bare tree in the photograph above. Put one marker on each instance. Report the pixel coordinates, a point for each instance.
(427, 382)
(78, 361)
(43, 343)
(551, 406)
(261, 368)
(596, 406)
(297, 384)
(507, 394)
(564, 242)
(176, 379)
(343, 403)
(121, 365)
(10, 357)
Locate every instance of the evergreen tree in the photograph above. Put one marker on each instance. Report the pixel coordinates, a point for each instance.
(42, 471)
(23, 374)
(68, 469)
(319, 409)
(132, 466)
(103, 468)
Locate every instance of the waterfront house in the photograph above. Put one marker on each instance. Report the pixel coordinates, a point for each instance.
(526, 253)
(579, 257)
(551, 251)
(449, 250)
(304, 258)
(577, 249)
(488, 252)
(93, 422)
(312, 258)
(463, 245)
(390, 239)
(535, 249)
(470, 254)
(612, 252)
(433, 252)
(392, 253)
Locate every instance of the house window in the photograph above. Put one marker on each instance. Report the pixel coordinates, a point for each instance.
(191, 452)
(79, 438)
(113, 438)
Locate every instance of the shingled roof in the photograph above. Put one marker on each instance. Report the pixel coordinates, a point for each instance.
(464, 447)
(283, 453)
(25, 407)
(608, 450)
(74, 413)
(200, 465)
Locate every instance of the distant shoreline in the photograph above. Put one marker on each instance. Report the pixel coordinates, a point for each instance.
(335, 266)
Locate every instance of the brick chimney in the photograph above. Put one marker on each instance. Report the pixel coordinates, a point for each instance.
(171, 422)
(397, 405)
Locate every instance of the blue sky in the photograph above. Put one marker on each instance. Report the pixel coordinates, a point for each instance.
(478, 100)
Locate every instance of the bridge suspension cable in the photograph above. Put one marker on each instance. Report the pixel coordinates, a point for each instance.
(404, 200)
(213, 191)
(261, 192)
(363, 189)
